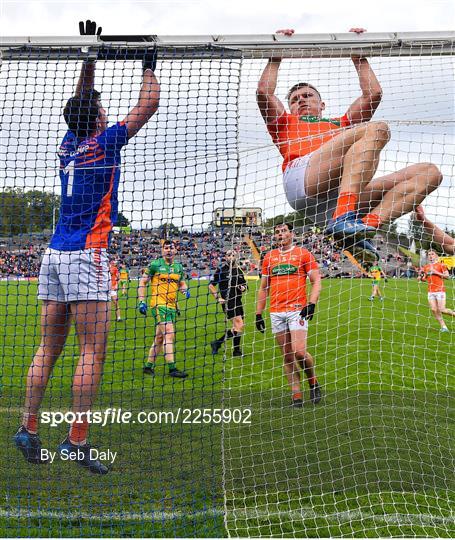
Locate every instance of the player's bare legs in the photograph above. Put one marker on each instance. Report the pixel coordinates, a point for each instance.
(168, 341)
(305, 361)
(396, 194)
(434, 306)
(438, 235)
(157, 347)
(55, 326)
(291, 371)
(118, 313)
(348, 161)
(92, 321)
(443, 309)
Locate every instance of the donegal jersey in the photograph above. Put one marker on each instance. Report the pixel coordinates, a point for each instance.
(165, 282)
(435, 283)
(124, 274)
(298, 136)
(287, 273)
(114, 276)
(89, 175)
(375, 273)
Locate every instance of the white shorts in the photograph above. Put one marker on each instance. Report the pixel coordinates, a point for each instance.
(439, 296)
(74, 276)
(318, 210)
(287, 320)
(114, 294)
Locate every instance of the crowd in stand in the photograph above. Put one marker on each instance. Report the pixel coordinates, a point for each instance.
(201, 253)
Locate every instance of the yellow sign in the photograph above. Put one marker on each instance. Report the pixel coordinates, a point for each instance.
(448, 261)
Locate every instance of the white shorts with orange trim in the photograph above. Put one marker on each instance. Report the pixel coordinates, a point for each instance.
(438, 296)
(319, 209)
(74, 276)
(287, 320)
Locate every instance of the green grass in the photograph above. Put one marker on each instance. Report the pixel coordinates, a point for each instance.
(375, 459)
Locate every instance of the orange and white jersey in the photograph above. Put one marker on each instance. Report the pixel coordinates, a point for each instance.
(435, 283)
(287, 273)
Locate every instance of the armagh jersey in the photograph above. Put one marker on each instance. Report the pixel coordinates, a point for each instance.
(89, 175)
(298, 136)
(435, 283)
(287, 273)
(166, 280)
(114, 276)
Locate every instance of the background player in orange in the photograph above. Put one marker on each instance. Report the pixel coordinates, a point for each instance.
(284, 274)
(115, 278)
(434, 273)
(328, 171)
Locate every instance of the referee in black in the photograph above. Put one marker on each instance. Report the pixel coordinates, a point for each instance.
(231, 284)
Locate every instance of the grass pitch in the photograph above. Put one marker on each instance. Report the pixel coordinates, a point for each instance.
(374, 459)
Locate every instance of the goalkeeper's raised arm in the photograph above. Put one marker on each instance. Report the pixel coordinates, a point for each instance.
(149, 97)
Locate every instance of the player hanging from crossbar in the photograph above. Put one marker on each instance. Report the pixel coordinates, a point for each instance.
(329, 163)
(74, 281)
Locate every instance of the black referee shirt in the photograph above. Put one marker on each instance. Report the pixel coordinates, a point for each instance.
(228, 280)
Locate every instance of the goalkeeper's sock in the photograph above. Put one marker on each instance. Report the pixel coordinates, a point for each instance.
(171, 366)
(30, 423)
(347, 202)
(312, 381)
(372, 220)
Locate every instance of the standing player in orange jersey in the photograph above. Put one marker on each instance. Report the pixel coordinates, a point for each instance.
(284, 274)
(434, 273)
(329, 163)
(115, 278)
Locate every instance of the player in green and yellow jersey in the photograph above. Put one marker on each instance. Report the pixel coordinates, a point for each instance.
(376, 274)
(167, 279)
(124, 278)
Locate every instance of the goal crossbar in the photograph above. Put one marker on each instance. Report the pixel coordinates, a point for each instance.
(250, 46)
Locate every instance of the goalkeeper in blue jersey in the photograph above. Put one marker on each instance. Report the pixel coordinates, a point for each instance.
(74, 280)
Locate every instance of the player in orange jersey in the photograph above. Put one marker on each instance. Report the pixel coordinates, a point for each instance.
(115, 278)
(284, 274)
(434, 274)
(329, 163)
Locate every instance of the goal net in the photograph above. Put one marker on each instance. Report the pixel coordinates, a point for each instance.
(224, 451)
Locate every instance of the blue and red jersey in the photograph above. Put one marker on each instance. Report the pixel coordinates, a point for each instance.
(89, 174)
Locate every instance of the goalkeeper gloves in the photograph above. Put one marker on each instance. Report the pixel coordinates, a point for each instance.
(149, 60)
(307, 312)
(260, 323)
(89, 28)
(142, 307)
(187, 294)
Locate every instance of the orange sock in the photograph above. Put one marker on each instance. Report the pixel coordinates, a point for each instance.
(297, 395)
(312, 381)
(347, 202)
(78, 432)
(372, 220)
(30, 422)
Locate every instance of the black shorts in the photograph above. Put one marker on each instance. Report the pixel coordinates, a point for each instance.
(233, 308)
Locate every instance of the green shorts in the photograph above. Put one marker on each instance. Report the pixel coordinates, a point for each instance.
(374, 282)
(164, 314)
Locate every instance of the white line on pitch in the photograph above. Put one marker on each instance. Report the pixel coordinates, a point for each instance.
(295, 515)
